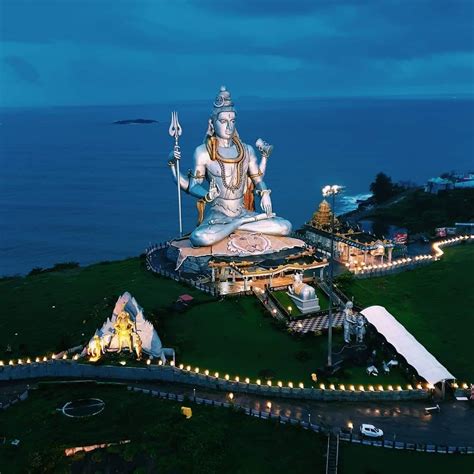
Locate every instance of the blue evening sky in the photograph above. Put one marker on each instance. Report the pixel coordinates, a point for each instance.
(60, 52)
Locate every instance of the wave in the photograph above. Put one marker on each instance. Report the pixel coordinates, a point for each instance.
(348, 203)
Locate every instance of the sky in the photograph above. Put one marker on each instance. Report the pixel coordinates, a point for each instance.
(97, 52)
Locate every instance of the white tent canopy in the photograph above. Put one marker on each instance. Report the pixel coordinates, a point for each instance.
(405, 344)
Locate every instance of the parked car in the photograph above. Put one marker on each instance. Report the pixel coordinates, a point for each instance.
(370, 431)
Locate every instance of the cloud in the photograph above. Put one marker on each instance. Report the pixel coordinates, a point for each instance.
(93, 51)
(23, 69)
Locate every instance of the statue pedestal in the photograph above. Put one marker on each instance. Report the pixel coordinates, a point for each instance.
(305, 306)
(239, 246)
(239, 263)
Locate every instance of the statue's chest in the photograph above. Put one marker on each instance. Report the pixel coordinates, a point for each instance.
(228, 171)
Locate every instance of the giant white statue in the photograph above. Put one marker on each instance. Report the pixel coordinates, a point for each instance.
(224, 175)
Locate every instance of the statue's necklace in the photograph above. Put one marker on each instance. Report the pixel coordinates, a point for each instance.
(238, 161)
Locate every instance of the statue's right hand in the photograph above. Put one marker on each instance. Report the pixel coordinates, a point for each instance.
(177, 153)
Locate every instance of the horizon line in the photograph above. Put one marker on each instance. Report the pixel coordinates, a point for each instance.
(247, 97)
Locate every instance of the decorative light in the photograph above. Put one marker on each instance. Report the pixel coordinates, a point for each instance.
(399, 388)
(148, 362)
(361, 388)
(227, 377)
(322, 386)
(122, 362)
(45, 359)
(390, 388)
(172, 363)
(269, 383)
(342, 387)
(65, 355)
(10, 363)
(259, 381)
(465, 386)
(237, 378)
(206, 372)
(188, 368)
(20, 362)
(409, 387)
(196, 370)
(301, 385)
(53, 356)
(216, 375)
(160, 362)
(269, 405)
(181, 366)
(380, 388)
(350, 425)
(430, 386)
(290, 384)
(419, 387)
(247, 380)
(332, 387)
(371, 388)
(1, 363)
(280, 384)
(76, 356)
(38, 359)
(231, 396)
(352, 388)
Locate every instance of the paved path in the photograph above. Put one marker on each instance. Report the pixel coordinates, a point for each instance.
(406, 421)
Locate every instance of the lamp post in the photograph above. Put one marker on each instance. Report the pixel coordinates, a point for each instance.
(331, 191)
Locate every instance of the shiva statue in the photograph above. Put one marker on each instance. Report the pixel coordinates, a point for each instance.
(231, 168)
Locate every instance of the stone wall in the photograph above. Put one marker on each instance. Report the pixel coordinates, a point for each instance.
(72, 369)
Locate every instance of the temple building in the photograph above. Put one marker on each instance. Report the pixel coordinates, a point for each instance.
(231, 275)
(352, 247)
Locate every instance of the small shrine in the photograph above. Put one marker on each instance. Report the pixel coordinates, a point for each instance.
(303, 295)
(127, 331)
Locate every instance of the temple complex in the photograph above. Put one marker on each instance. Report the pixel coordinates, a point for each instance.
(353, 247)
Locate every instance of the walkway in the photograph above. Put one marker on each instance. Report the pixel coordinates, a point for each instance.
(318, 323)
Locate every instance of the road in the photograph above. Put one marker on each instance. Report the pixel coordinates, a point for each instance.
(403, 421)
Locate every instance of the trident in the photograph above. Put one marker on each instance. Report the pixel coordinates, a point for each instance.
(176, 131)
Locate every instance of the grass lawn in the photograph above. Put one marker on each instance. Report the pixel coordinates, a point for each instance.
(237, 337)
(214, 440)
(367, 460)
(434, 303)
(51, 311)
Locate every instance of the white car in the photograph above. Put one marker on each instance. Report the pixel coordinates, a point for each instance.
(371, 431)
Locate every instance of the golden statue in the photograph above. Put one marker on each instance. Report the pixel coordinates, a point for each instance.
(124, 329)
(96, 350)
(137, 344)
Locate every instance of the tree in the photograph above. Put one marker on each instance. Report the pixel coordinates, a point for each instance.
(382, 188)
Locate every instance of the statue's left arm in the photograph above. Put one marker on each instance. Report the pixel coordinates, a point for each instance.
(256, 176)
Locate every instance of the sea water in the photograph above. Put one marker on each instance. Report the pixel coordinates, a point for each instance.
(76, 187)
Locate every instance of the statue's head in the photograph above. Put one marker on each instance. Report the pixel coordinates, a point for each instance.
(349, 305)
(222, 120)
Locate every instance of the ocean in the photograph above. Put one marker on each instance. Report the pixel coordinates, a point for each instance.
(76, 187)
